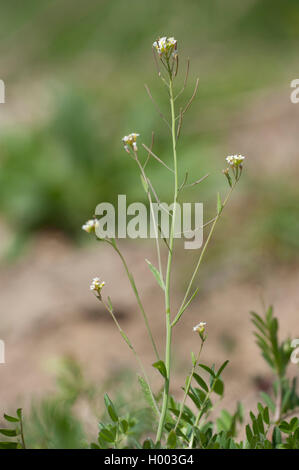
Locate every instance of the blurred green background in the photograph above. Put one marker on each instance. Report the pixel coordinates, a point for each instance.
(74, 74)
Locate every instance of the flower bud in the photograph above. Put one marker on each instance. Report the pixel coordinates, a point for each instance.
(90, 226)
(200, 329)
(166, 47)
(96, 286)
(130, 141)
(235, 160)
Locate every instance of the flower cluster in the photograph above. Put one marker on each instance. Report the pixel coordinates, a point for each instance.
(90, 226)
(130, 141)
(235, 160)
(235, 163)
(200, 329)
(166, 47)
(96, 286)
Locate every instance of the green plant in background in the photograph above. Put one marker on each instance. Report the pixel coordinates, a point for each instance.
(17, 432)
(273, 425)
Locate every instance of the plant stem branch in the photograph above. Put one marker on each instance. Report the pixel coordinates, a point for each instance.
(128, 342)
(152, 214)
(22, 433)
(188, 386)
(200, 413)
(168, 271)
(181, 310)
(135, 290)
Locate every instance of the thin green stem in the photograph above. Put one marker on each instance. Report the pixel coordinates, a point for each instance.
(135, 290)
(278, 403)
(153, 215)
(168, 271)
(182, 307)
(22, 433)
(200, 413)
(188, 385)
(128, 342)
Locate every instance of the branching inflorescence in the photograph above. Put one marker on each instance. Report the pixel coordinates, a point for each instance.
(167, 62)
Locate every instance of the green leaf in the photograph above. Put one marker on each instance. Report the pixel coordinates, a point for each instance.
(260, 424)
(260, 321)
(276, 437)
(228, 177)
(148, 444)
(268, 359)
(294, 423)
(194, 397)
(269, 314)
(19, 413)
(124, 425)
(219, 387)
(160, 366)
(249, 434)
(225, 421)
(144, 184)
(219, 204)
(11, 419)
(285, 400)
(261, 328)
(268, 400)
(201, 382)
(260, 407)
(110, 408)
(171, 440)
(147, 394)
(266, 415)
(284, 427)
(8, 432)
(156, 274)
(185, 306)
(184, 417)
(8, 445)
(211, 372)
(221, 369)
(93, 445)
(193, 358)
(107, 435)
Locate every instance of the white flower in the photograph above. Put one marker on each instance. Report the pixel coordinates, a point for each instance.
(90, 226)
(96, 286)
(200, 328)
(235, 160)
(166, 46)
(130, 141)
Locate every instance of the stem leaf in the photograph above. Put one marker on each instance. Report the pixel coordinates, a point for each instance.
(156, 274)
(147, 393)
(160, 366)
(219, 204)
(201, 382)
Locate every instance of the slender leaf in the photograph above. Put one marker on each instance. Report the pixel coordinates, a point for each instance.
(156, 274)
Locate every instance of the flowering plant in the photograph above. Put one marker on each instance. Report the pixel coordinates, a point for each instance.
(174, 424)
